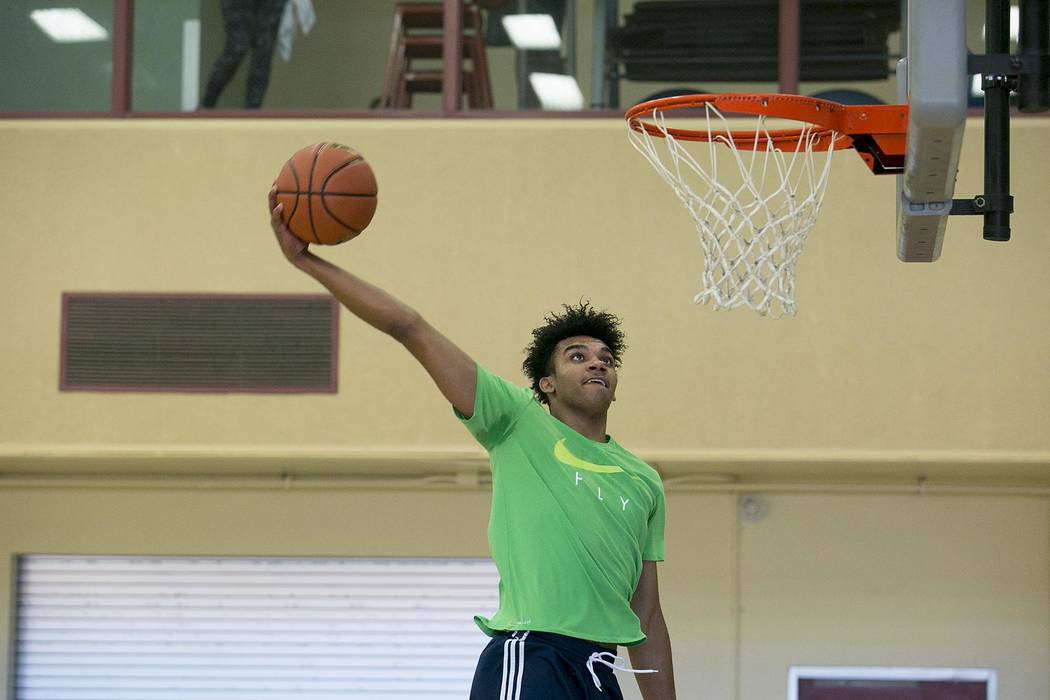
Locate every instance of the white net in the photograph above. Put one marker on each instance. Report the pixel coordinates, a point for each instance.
(753, 204)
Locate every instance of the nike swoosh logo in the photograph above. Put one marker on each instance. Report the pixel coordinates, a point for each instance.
(562, 454)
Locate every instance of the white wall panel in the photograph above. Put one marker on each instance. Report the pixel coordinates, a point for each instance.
(111, 628)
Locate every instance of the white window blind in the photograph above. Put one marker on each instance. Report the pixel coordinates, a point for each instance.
(179, 628)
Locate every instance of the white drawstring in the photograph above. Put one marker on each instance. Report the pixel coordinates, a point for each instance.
(618, 663)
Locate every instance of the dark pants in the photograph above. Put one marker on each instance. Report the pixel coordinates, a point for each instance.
(541, 666)
(251, 25)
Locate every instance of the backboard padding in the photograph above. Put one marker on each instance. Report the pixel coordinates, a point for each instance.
(933, 81)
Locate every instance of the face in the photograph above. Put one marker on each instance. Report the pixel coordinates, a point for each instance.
(583, 375)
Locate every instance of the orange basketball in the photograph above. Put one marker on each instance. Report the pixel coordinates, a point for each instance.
(328, 192)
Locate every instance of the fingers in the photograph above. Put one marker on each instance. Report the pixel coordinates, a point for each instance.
(292, 247)
(277, 221)
(276, 208)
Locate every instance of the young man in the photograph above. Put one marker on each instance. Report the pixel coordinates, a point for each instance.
(577, 521)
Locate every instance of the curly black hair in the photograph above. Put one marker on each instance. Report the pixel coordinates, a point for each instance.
(581, 319)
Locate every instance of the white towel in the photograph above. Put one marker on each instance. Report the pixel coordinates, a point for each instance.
(299, 12)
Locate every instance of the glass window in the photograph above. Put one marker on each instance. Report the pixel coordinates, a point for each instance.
(374, 55)
(534, 55)
(165, 73)
(610, 54)
(847, 52)
(56, 59)
(273, 55)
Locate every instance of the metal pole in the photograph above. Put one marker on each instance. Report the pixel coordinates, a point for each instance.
(1033, 91)
(569, 31)
(612, 19)
(997, 121)
(789, 54)
(598, 55)
(452, 56)
(123, 24)
(904, 32)
(520, 63)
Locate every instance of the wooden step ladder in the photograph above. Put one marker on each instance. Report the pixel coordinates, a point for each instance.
(417, 35)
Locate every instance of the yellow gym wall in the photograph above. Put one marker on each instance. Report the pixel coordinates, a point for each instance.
(896, 427)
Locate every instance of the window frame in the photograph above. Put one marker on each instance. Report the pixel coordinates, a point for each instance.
(889, 673)
(120, 107)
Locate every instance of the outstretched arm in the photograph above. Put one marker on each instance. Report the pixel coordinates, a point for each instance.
(452, 370)
(655, 651)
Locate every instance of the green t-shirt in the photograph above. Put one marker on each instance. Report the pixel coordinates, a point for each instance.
(572, 520)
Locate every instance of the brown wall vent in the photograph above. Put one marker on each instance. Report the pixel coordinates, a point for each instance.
(199, 343)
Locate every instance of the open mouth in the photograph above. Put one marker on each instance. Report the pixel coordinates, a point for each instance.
(597, 380)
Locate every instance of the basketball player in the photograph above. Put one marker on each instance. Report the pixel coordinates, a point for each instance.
(577, 521)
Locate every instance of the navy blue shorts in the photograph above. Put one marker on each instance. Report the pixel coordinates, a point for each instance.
(543, 666)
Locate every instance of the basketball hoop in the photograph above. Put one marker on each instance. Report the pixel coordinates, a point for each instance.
(755, 194)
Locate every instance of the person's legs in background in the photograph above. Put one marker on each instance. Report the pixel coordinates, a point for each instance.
(264, 36)
(251, 25)
(237, 19)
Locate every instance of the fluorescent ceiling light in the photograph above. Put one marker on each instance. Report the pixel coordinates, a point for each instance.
(557, 92)
(532, 31)
(68, 24)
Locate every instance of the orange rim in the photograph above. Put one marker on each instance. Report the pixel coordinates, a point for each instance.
(834, 125)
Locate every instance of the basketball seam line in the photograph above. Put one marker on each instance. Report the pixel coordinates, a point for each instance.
(309, 182)
(339, 221)
(326, 194)
(295, 206)
(355, 161)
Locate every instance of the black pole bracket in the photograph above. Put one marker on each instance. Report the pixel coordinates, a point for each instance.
(1008, 64)
(982, 204)
(999, 81)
